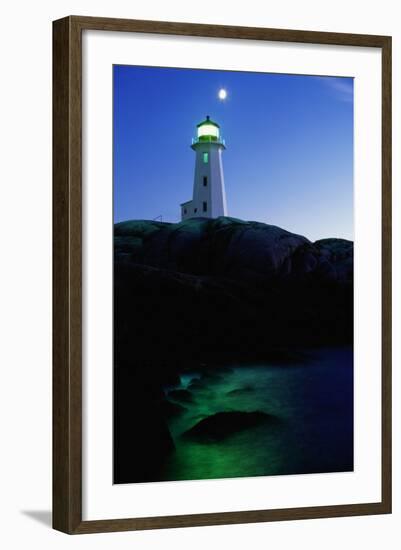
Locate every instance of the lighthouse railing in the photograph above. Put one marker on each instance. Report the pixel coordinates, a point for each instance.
(208, 139)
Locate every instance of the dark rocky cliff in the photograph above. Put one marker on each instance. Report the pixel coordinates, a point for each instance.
(227, 286)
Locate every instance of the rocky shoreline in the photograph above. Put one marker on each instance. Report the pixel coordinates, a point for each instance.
(210, 292)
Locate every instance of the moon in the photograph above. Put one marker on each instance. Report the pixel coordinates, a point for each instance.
(222, 94)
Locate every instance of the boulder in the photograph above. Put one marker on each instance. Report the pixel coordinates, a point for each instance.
(224, 424)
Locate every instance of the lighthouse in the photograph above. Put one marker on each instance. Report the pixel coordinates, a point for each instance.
(209, 196)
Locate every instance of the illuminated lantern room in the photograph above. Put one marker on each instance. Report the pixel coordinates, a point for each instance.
(208, 130)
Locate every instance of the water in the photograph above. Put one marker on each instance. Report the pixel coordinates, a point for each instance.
(312, 400)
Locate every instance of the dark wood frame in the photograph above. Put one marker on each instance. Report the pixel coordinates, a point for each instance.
(67, 279)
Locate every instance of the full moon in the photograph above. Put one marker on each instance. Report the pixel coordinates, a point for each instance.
(222, 94)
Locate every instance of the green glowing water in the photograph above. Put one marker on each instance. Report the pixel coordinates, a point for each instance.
(312, 399)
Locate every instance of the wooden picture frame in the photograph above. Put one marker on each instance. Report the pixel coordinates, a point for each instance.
(67, 274)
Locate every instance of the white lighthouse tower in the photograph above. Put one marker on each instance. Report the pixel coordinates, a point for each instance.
(209, 196)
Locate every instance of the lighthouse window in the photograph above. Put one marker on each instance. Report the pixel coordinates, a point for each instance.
(195, 210)
(204, 181)
(185, 210)
(204, 206)
(205, 158)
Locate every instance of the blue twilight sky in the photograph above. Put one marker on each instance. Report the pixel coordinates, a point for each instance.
(289, 138)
